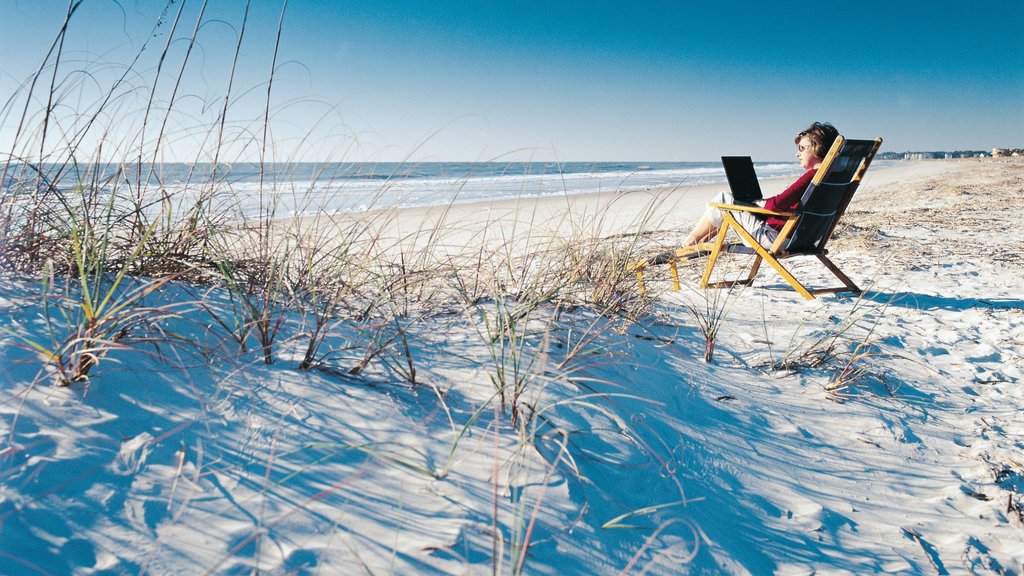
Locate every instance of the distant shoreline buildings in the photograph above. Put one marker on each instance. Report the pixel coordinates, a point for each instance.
(995, 153)
(1007, 152)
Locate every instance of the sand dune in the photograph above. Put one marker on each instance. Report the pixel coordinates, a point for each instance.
(842, 435)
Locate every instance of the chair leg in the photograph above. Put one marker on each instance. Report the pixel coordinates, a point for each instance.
(743, 281)
(754, 268)
(765, 256)
(715, 252)
(730, 222)
(850, 286)
(640, 281)
(675, 275)
(774, 263)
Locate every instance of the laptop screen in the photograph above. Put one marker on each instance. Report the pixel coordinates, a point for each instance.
(742, 179)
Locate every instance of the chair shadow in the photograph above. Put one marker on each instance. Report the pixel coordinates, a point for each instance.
(918, 301)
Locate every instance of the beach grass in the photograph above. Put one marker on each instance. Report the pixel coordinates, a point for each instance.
(107, 236)
(353, 298)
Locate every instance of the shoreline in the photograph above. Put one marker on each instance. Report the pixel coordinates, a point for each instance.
(660, 213)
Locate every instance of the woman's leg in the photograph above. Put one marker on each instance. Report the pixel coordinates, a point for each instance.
(703, 231)
(758, 228)
(709, 223)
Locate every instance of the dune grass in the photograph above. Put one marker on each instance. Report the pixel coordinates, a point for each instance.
(276, 279)
(105, 229)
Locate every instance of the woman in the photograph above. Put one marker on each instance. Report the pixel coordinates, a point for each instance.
(811, 147)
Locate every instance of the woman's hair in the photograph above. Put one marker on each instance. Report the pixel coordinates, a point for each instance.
(821, 135)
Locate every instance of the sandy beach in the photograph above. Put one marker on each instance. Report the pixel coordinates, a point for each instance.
(841, 435)
(660, 216)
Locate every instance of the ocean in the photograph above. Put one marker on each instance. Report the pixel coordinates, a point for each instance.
(302, 188)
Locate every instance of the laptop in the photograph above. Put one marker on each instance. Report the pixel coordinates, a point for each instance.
(742, 179)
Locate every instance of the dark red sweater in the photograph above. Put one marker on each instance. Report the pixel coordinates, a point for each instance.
(788, 199)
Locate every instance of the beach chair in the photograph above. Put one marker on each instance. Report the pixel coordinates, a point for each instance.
(806, 232)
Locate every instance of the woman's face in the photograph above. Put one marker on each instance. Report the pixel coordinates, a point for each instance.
(805, 154)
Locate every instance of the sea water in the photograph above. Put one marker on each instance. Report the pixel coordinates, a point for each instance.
(306, 188)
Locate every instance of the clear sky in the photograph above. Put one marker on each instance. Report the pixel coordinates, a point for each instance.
(546, 80)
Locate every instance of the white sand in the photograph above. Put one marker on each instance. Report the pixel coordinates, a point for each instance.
(644, 458)
(666, 213)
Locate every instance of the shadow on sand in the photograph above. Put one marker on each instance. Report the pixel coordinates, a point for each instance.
(932, 302)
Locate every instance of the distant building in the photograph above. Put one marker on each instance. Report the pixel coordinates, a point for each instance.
(925, 155)
(996, 152)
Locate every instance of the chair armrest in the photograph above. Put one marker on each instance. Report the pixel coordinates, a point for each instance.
(751, 209)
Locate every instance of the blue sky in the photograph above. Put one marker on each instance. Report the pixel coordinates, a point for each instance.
(459, 80)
